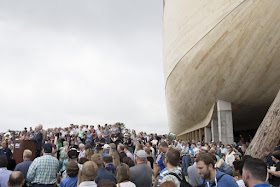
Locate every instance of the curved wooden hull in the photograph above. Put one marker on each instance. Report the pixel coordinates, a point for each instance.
(223, 50)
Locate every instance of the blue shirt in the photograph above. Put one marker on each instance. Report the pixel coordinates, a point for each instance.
(69, 181)
(4, 176)
(104, 154)
(226, 180)
(23, 167)
(103, 173)
(262, 185)
(160, 162)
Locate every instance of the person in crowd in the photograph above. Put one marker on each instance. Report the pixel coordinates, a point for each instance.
(43, 169)
(121, 152)
(6, 151)
(185, 157)
(275, 175)
(24, 166)
(63, 152)
(88, 151)
(244, 148)
(4, 172)
(123, 176)
(88, 174)
(16, 179)
(100, 142)
(150, 159)
(193, 175)
(106, 134)
(128, 161)
(44, 133)
(163, 147)
(254, 173)
(38, 138)
(223, 149)
(115, 155)
(141, 173)
(106, 149)
(102, 173)
(82, 150)
(217, 149)
(230, 155)
(237, 167)
(172, 159)
(72, 170)
(108, 164)
(128, 153)
(268, 156)
(223, 166)
(205, 165)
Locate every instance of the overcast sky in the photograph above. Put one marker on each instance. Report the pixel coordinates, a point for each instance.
(82, 62)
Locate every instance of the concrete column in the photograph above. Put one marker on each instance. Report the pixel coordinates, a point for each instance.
(200, 134)
(214, 130)
(225, 125)
(207, 134)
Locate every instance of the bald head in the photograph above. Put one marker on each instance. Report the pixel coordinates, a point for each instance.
(16, 179)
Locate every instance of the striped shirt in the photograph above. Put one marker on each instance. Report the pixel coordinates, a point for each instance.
(43, 170)
(165, 172)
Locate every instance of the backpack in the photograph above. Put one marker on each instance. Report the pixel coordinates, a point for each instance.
(203, 185)
(183, 182)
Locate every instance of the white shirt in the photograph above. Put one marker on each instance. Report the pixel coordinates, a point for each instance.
(88, 183)
(230, 158)
(126, 184)
(240, 183)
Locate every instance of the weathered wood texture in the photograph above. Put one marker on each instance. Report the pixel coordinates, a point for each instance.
(268, 133)
(233, 56)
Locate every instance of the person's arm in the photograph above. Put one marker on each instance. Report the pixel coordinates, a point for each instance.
(31, 172)
(275, 173)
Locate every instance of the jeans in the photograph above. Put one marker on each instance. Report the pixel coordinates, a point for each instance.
(186, 162)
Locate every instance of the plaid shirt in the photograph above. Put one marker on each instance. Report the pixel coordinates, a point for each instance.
(43, 170)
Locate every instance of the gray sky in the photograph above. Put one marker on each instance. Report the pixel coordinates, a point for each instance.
(82, 62)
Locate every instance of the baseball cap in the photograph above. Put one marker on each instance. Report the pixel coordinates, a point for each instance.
(47, 146)
(141, 154)
(106, 146)
(73, 153)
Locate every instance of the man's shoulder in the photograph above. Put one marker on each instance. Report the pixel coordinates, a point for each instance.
(225, 179)
(140, 167)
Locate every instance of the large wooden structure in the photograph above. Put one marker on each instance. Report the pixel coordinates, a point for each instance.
(220, 50)
(20, 146)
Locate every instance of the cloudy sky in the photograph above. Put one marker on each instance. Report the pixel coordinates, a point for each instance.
(82, 62)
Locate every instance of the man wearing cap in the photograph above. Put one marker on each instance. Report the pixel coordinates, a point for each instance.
(72, 157)
(141, 173)
(43, 170)
(106, 149)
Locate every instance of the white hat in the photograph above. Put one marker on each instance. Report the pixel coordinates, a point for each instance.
(106, 146)
(141, 154)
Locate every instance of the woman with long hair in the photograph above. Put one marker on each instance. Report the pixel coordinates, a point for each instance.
(116, 157)
(123, 176)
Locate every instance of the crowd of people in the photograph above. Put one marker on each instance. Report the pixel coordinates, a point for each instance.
(112, 156)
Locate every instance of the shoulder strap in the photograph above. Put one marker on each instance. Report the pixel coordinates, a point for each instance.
(174, 174)
(218, 179)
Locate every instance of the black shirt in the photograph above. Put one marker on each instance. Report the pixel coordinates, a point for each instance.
(275, 181)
